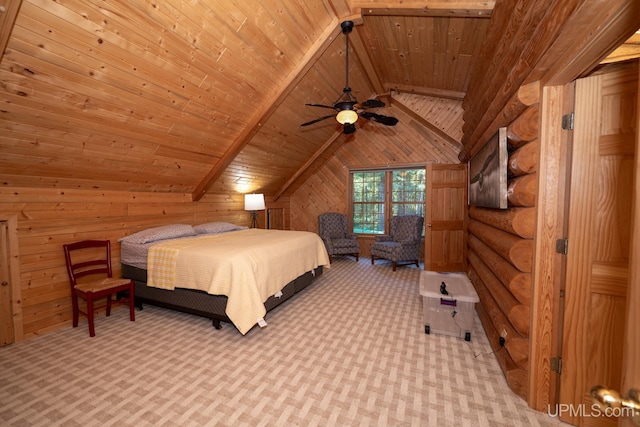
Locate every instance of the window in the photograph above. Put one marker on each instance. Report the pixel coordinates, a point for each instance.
(380, 194)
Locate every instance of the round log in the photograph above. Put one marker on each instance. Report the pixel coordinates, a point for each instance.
(519, 283)
(525, 159)
(529, 93)
(518, 314)
(522, 191)
(518, 221)
(516, 250)
(500, 322)
(515, 375)
(525, 128)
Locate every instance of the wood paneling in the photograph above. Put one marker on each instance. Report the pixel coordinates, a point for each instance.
(47, 219)
(375, 146)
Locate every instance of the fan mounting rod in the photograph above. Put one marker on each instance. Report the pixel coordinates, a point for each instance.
(346, 113)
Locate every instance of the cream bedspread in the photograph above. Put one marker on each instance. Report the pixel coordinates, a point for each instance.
(248, 266)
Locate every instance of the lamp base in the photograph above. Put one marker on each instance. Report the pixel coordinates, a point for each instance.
(254, 219)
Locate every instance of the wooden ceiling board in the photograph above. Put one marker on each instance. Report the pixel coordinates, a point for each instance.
(429, 52)
(179, 78)
(208, 97)
(281, 139)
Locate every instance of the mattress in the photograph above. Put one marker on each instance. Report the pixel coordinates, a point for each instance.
(247, 266)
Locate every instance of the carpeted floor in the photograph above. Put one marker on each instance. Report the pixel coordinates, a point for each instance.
(350, 350)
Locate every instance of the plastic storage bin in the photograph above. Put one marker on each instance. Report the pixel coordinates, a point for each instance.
(448, 300)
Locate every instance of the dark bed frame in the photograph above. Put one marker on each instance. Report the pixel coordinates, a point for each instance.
(201, 303)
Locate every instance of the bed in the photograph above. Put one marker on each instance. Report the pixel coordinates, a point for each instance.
(221, 271)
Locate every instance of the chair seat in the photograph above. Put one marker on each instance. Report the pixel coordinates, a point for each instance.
(384, 247)
(102, 285)
(350, 244)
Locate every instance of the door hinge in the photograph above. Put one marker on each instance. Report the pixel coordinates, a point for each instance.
(562, 246)
(567, 121)
(556, 364)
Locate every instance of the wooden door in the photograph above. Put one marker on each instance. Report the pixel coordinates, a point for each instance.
(599, 225)
(631, 367)
(275, 218)
(445, 218)
(6, 312)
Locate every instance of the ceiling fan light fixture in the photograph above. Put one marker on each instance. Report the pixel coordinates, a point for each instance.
(347, 117)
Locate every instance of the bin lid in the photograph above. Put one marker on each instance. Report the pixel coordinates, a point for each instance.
(457, 284)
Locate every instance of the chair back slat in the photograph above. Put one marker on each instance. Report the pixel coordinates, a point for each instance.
(78, 265)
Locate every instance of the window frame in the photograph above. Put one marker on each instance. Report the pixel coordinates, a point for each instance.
(388, 202)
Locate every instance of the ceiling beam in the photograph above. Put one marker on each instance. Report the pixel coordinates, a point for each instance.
(263, 114)
(425, 91)
(8, 12)
(447, 8)
(610, 25)
(315, 162)
(626, 51)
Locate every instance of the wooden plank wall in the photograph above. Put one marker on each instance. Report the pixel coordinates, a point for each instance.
(501, 254)
(407, 144)
(48, 218)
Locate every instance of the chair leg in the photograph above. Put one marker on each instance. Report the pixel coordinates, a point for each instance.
(394, 265)
(357, 257)
(92, 330)
(132, 315)
(371, 259)
(74, 305)
(109, 305)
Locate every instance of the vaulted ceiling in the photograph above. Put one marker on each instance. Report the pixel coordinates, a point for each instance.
(208, 96)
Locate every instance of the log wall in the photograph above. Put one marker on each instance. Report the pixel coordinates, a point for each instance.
(501, 254)
(49, 218)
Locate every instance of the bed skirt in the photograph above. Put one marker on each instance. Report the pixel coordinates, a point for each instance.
(199, 302)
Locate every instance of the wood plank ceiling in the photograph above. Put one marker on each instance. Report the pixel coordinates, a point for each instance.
(195, 97)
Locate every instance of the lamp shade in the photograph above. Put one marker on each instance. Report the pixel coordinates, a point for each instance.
(347, 116)
(253, 202)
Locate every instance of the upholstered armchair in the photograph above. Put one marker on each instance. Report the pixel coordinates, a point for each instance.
(333, 228)
(402, 245)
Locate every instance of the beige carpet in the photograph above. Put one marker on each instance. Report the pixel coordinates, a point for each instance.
(350, 350)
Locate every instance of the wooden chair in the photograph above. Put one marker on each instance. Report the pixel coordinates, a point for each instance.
(93, 258)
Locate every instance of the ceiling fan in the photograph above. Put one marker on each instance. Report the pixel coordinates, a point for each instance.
(347, 106)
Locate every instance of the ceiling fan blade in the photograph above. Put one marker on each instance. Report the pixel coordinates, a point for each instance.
(317, 120)
(372, 103)
(320, 105)
(379, 118)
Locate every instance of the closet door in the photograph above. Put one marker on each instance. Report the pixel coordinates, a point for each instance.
(445, 239)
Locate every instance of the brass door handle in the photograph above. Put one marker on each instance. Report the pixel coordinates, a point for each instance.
(610, 400)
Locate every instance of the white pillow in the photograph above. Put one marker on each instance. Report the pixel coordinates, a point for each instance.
(160, 233)
(216, 227)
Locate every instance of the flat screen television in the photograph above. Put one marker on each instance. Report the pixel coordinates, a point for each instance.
(488, 173)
